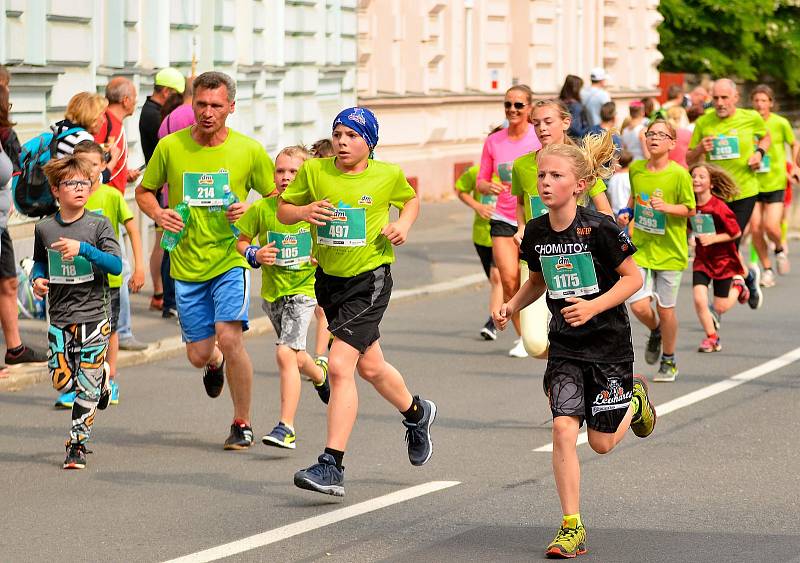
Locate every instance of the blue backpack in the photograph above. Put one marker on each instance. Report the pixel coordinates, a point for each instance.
(30, 189)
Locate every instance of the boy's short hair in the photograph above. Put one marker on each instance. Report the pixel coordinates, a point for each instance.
(71, 165)
(322, 148)
(295, 151)
(625, 158)
(608, 111)
(87, 146)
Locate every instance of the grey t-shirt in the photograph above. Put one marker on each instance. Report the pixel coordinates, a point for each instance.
(72, 298)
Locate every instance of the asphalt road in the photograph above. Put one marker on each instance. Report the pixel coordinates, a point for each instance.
(717, 481)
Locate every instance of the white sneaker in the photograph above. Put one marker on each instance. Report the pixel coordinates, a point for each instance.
(518, 351)
(782, 263)
(768, 278)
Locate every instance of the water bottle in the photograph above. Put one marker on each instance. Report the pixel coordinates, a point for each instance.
(170, 240)
(227, 200)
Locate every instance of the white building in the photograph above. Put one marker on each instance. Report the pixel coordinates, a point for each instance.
(294, 61)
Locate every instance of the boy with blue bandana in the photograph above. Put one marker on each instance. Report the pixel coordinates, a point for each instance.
(346, 199)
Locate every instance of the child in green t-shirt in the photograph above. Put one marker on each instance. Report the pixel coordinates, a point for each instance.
(108, 201)
(661, 199)
(346, 199)
(287, 286)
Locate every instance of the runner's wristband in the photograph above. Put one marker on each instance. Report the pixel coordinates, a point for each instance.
(250, 256)
(762, 151)
(625, 210)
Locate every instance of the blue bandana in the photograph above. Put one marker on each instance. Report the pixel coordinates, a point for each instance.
(363, 122)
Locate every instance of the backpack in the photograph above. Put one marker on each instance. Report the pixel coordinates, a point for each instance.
(30, 189)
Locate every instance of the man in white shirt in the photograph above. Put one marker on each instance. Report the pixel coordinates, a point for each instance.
(594, 96)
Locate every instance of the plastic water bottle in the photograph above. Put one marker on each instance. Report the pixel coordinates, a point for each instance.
(227, 200)
(170, 240)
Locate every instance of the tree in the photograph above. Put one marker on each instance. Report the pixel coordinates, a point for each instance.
(747, 39)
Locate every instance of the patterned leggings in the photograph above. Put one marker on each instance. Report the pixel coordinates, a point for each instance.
(76, 355)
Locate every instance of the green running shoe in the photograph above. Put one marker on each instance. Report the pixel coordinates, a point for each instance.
(644, 419)
(569, 542)
(667, 371)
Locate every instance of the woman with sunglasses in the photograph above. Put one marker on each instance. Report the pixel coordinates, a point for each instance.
(662, 198)
(499, 152)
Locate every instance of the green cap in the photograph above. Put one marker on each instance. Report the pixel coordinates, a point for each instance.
(171, 78)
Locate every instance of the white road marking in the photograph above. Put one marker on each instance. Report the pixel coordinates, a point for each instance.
(313, 523)
(709, 390)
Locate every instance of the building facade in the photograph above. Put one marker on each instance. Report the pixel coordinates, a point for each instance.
(294, 61)
(435, 71)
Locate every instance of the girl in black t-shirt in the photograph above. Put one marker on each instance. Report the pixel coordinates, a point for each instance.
(583, 261)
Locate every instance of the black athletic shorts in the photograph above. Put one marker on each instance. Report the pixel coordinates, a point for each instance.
(770, 197)
(485, 254)
(354, 306)
(8, 265)
(113, 300)
(501, 228)
(721, 287)
(598, 393)
(743, 209)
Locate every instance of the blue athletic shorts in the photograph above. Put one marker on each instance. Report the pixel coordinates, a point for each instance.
(201, 304)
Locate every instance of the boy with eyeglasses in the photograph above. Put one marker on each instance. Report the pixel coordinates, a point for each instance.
(73, 250)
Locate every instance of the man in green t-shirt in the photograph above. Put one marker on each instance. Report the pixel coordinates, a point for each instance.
(211, 168)
(735, 139)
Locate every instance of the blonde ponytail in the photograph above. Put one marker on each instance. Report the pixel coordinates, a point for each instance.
(593, 161)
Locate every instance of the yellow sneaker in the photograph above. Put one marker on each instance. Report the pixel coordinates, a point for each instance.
(644, 419)
(569, 542)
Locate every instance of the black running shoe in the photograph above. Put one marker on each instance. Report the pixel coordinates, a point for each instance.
(76, 456)
(214, 379)
(322, 477)
(105, 388)
(489, 331)
(26, 356)
(652, 351)
(756, 298)
(324, 388)
(240, 438)
(418, 435)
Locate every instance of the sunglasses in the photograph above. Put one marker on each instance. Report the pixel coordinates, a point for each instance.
(517, 105)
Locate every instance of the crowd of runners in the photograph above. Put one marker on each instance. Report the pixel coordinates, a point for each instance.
(572, 229)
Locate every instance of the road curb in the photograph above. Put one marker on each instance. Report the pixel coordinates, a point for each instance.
(24, 376)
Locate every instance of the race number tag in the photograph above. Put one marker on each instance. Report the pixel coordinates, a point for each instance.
(725, 148)
(205, 189)
(489, 199)
(347, 227)
(569, 275)
(764, 166)
(649, 220)
(703, 224)
(537, 207)
(293, 248)
(74, 271)
(504, 172)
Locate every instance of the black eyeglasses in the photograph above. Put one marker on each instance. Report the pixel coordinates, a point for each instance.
(75, 185)
(517, 105)
(660, 135)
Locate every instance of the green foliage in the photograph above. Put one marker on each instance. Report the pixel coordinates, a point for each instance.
(747, 39)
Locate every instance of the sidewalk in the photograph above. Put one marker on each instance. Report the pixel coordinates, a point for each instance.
(439, 250)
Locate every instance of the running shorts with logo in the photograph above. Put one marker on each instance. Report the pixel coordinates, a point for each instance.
(597, 392)
(290, 316)
(224, 298)
(354, 306)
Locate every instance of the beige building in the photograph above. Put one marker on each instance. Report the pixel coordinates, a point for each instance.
(435, 71)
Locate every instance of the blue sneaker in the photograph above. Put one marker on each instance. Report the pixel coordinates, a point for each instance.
(114, 393)
(418, 435)
(65, 400)
(322, 477)
(281, 436)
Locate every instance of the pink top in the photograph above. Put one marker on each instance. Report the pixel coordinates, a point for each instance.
(678, 154)
(499, 153)
(179, 118)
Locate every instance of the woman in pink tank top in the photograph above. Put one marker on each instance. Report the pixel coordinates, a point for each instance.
(499, 152)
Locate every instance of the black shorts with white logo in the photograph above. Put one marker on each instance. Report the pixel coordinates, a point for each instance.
(354, 306)
(598, 393)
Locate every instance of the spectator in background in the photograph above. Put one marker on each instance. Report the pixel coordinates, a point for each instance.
(676, 116)
(699, 98)
(608, 122)
(675, 97)
(595, 96)
(168, 82)
(176, 114)
(692, 114)
(16, 351)
(5, 77)
(121, 97)
(650, 109)
(571, 96)
(633, 131)
(619, 185)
